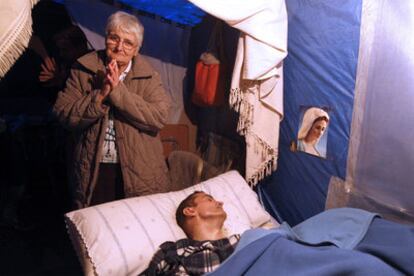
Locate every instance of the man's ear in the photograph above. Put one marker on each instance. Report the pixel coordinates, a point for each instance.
(189, 211)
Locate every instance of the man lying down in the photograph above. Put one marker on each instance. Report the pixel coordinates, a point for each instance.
(343, 241)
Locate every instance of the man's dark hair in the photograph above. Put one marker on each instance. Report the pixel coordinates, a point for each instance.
(187, 202)
(72, 35)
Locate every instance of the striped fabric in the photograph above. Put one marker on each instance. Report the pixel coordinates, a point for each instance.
(120, 237)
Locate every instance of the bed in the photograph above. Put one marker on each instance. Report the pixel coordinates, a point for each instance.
(120, 237)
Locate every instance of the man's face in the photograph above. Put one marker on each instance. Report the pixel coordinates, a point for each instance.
(121, 46)
(69, 52)
(207, 207)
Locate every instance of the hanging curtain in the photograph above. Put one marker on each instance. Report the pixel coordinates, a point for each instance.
(257, 81)
(380, 160)
(15, 30)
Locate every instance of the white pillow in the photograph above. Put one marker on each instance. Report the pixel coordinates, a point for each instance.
(120, 237)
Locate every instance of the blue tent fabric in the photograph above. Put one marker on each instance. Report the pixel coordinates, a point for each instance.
(180, 11)
(320, 70)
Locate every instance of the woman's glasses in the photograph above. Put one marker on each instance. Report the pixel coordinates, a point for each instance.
(114, 39)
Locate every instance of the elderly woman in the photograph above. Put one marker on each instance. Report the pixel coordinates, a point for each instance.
(115, 105)
(314, 124)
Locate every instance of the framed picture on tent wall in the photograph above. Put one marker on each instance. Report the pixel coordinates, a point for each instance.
(312, 131)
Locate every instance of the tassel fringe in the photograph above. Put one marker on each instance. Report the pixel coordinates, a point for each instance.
(239, 104)
(266, 169)
(269, 164)
(16, 40)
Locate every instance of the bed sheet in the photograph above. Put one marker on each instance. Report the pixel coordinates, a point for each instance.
(385, 248)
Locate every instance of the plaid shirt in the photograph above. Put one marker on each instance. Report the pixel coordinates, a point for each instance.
(189, 257)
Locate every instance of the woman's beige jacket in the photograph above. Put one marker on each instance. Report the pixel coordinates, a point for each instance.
(140, 107)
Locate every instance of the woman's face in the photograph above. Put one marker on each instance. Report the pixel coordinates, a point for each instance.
(121, 46)
(317, 130)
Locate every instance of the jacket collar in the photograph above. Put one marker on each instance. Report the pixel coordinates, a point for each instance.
(95, 61)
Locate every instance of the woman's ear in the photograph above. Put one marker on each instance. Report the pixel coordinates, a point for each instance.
(137, 51)
(189, 211)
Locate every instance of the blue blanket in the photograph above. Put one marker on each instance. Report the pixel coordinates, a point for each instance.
(337, 242)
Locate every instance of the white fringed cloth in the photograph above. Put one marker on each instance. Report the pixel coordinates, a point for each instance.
(257, 82)
(15, 30)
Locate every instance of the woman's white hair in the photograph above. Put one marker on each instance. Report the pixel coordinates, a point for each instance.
(127, 23)
(311, 114)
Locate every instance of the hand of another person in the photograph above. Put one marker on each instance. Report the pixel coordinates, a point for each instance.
(51, 74)
(48, 69)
